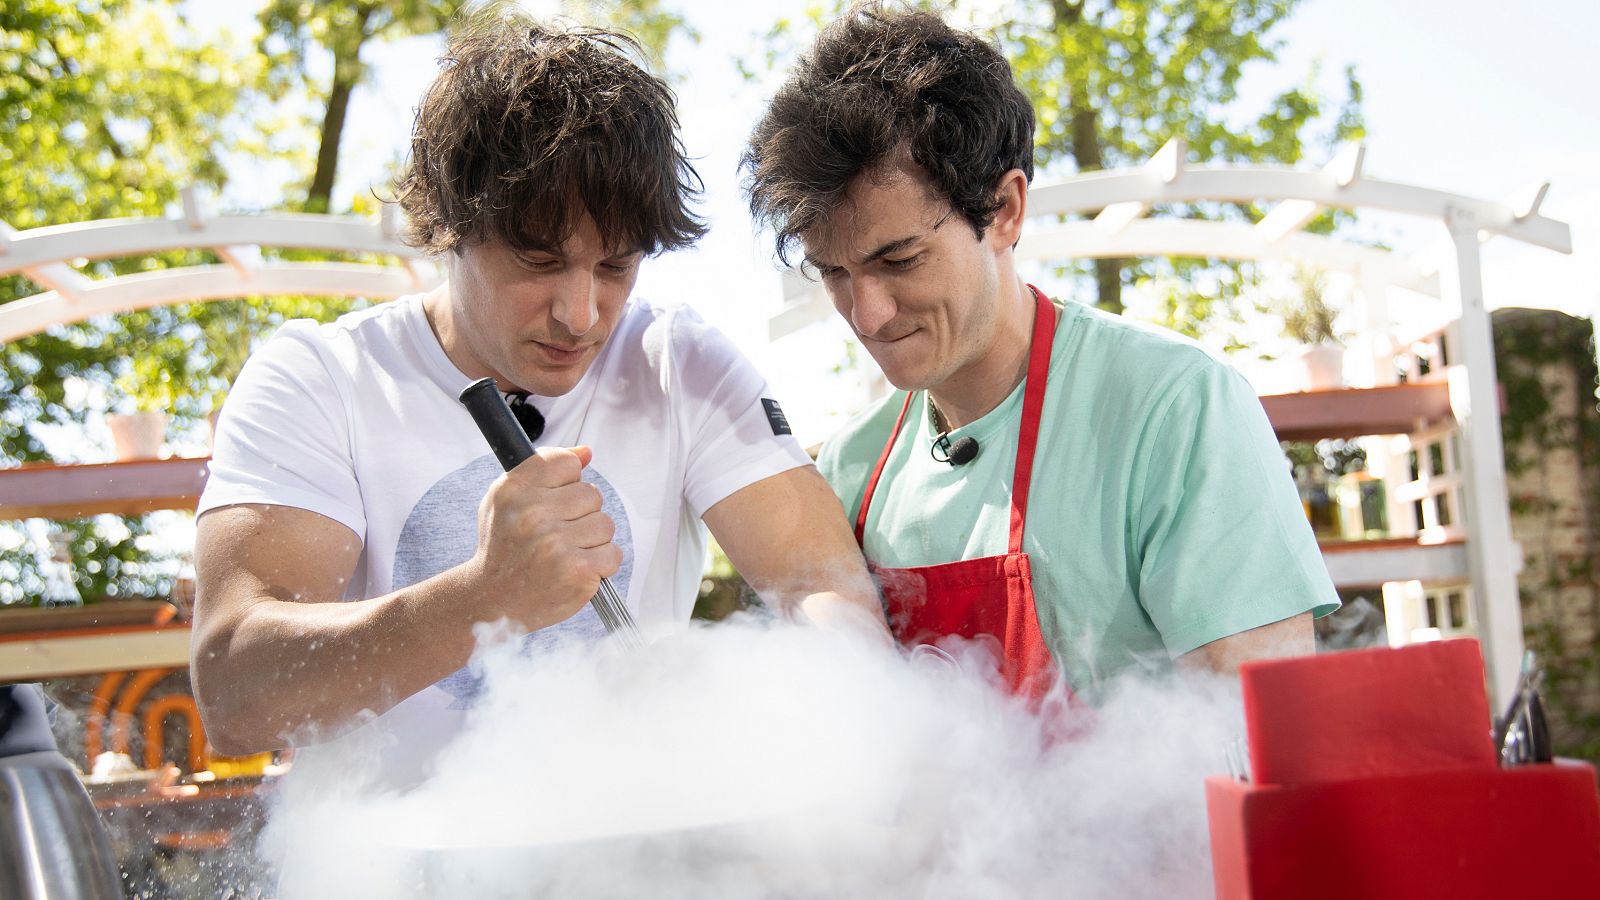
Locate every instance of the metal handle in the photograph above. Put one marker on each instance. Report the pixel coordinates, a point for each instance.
(1522, 736)
(511, 447)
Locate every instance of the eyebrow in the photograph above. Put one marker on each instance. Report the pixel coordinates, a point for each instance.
(885, 250)
(556, 251)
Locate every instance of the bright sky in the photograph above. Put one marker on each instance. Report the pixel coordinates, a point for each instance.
(1472, 96)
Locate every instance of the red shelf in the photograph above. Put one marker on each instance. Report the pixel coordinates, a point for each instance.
(119, 488)
(107, 614)
(1356, 412)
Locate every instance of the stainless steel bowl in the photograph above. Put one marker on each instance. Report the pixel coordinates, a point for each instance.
(52, 845)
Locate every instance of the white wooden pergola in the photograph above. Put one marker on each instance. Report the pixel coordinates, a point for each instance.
(51, 256)
(47, 256)
(1118, 204)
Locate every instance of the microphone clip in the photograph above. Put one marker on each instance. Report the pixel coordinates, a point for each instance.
(955, 453)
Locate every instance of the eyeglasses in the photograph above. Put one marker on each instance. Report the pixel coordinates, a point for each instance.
(528, 415)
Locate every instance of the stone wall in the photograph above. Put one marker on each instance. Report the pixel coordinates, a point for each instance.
(1552, 436)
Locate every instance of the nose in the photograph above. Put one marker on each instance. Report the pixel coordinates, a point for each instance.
(575, 305)
(870, 305)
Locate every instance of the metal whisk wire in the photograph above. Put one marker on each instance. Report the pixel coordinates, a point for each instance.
(615, 616)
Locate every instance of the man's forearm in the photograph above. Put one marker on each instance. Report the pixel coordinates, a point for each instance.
(1293, 636)
(286, 671)
(831, 609)
(788, 537)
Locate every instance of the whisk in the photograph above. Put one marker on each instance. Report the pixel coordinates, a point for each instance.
(511, 446)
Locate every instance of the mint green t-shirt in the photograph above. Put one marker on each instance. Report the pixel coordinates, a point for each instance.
(1162, 514)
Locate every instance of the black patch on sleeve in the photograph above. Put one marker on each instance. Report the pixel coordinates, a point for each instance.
(775, 417)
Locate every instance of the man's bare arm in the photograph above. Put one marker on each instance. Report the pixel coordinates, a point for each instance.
(1290, 637)
(274, 655)
(788, 537)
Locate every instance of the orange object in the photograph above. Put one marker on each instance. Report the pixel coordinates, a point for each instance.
(195, 840)
(99, 710)
(155, 716)
(122, 719)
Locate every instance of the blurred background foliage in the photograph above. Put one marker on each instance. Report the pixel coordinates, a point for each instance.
(1112, 81)
(110, 109)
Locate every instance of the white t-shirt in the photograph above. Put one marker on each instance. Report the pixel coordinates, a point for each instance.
(359, 421)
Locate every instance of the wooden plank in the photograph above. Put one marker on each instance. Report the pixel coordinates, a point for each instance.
(105, 614)
(30, 657)
(1357, 564)
(119, 488)
(1357, 412)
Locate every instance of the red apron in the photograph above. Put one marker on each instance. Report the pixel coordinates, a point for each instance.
(988, 599)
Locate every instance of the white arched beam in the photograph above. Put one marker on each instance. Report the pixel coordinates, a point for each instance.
(1220, 240)
(1099, 190)
(112, 238)
(34, 314)
(806, 301)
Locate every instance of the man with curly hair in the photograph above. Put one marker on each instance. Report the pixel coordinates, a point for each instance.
(545, 168)
(1084, 494)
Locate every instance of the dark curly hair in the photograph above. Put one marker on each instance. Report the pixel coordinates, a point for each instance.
(877, 87)
(529, 126)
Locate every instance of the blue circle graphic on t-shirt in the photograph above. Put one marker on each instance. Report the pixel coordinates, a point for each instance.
(442, 532)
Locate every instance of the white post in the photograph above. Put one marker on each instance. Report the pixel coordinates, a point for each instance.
(1474, 397)
(1377, 332)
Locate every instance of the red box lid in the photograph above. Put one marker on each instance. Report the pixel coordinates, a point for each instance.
(1366, 713)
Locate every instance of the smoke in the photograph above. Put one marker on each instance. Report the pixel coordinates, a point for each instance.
(757, 759)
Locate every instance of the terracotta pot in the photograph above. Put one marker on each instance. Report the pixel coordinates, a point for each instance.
(137, 435)
(1324, 366)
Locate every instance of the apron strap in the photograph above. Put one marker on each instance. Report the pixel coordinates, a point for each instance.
(872, 482)
(1044, 333)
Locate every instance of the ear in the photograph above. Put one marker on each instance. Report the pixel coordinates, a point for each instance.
(1012, 192)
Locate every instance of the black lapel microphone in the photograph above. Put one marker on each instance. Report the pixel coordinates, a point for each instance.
(958, 452)
(528, 415)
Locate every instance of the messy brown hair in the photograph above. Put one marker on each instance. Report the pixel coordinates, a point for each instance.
(878, 87)
(529, 126)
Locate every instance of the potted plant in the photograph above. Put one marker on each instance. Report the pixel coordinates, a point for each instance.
(139, 426)
(1309, 320)
(144, 396)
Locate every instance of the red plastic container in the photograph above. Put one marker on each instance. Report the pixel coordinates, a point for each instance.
(1376, 778)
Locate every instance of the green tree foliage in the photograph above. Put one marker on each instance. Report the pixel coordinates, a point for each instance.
(294, 29)
(1113, 80)
(297, 31)
(101, 126)
(98, 125)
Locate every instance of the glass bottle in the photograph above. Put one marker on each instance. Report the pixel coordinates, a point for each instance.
(1320, 506)
(59, 587)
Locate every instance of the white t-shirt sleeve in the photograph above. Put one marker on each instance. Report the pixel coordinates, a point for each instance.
(284, 437)
(735, 431)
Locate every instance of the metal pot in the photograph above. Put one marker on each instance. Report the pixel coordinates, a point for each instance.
(52, 845)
